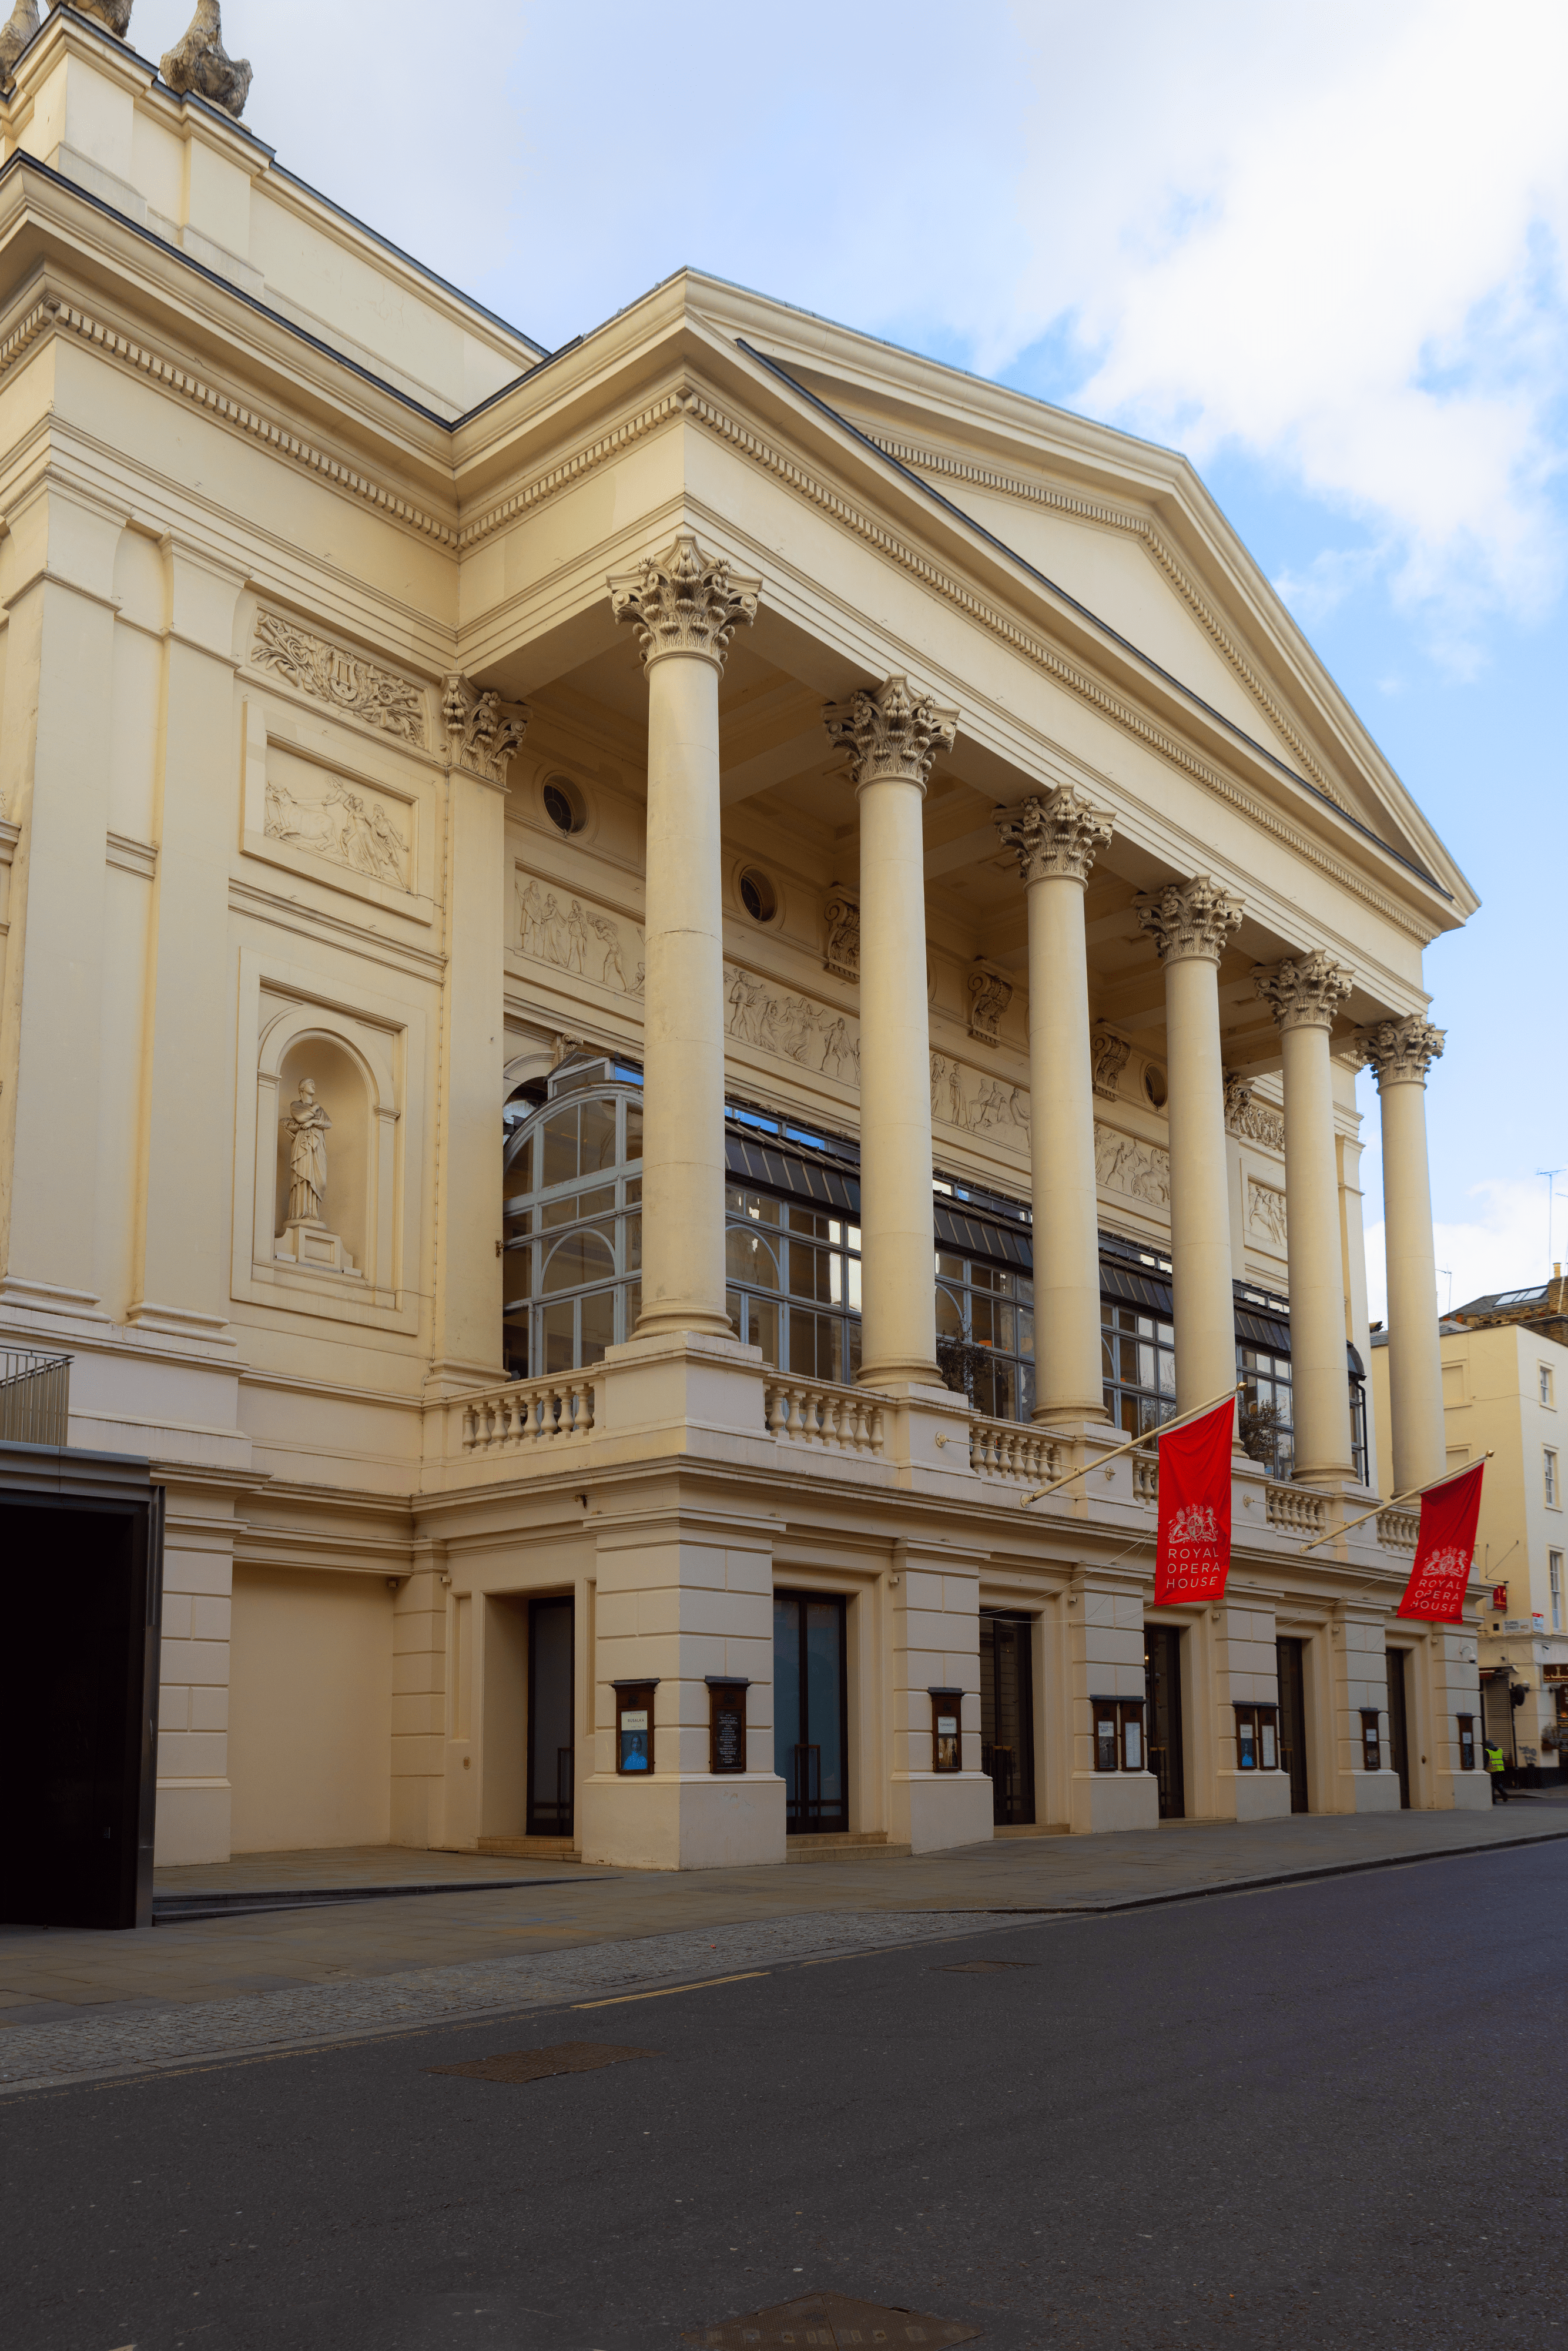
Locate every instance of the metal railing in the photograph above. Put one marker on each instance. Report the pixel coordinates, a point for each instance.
(34, 1397)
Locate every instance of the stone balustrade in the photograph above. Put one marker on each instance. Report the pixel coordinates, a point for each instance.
(1295, 1510)
(1398, 1529)
(527, 1413)
(1145, 1478)
(1010, 1448)
(815, 1412)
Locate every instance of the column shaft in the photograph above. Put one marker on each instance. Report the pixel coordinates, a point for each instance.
(1057, 839)
(1305, 993)
(684, 605)
(892, 737)
(1415, 1350)
(897, 1241)
(683, 1117)
(1200, 1197)
(1319, 1391)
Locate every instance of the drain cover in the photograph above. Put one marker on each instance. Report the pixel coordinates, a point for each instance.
(538, 2065)
(828, 2322)
(981, 1967)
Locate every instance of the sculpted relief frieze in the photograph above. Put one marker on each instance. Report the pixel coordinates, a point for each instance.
(793, 1026)
(349, 683)
(553, 927)
(355, 829)
(1266, 1211)
(1141, 1170)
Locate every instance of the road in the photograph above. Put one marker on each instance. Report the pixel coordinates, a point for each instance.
(1325, 2114)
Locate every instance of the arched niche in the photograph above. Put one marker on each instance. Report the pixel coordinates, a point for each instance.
(343, 1088)
(353, 1070)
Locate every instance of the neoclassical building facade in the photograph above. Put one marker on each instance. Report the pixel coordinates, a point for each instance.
(644, 986)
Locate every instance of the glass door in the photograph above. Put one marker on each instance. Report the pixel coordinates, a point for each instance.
(1161, 1683)
(550, 1811)
(1007, 1718)
(1293, 1718)
(810, 1712)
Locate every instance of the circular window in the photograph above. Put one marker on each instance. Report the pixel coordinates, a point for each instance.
(1154, 1085)
(757, 895)
(563, 805)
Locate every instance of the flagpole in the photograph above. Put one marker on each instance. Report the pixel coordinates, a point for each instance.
(1394, 1499)
(1149, 1434)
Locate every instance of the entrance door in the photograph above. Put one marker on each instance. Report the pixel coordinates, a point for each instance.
(1293, 1718)
(1007, 1718)
(1161, 1681)
(1398, 1720)
(810, 1712)
(550, 1774)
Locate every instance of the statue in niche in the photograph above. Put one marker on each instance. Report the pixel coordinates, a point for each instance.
(308, 1125)
(307, 1241)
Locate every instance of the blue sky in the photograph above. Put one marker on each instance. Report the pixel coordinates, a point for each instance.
(1320, 248)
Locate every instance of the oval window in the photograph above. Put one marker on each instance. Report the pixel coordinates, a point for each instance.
(757, 895)
(563, 805)
(581, 1257)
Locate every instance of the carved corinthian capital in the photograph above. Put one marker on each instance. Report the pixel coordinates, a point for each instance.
(1189, 921)
(684, 602)
(1304, 991)
(1055, 833)
(482, 737)
(893, 734)
(1401, 1051)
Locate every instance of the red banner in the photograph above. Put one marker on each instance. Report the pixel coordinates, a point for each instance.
(1194, 1555)
(1445, 1547)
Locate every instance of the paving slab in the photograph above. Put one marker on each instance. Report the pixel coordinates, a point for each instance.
(51, 1973)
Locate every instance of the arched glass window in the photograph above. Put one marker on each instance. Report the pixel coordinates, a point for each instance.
(985, 1333)
(793, 1272)
(573, 1248)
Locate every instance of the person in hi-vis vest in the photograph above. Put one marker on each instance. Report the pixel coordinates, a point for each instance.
(1495, 1767)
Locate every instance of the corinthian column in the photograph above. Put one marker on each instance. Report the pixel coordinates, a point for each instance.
(1057, 839)
(1402, 1052)
(685, 606)
(1191, 923)
(1304, 996)
(892, 737)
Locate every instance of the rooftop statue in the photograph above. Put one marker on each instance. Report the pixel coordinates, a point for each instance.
(15, 34)
(199, 62)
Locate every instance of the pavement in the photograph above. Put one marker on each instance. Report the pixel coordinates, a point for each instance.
(1320, 2114)
(80, 2005)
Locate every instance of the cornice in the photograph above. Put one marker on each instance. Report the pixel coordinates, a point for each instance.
(587, 459)
(937, 461)
(58, 317)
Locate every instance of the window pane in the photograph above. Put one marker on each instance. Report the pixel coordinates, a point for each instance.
(559, 1147)
(1167, 1373)
(633, 1242)
(1025, 1293)
(634, 1190)
(597, 1136)
(598, 1325)
(577, 1206)
(951, 1267)
(584, 1256)
(983, 1277)
(982, 1322)
(519, 1274)
(522, 1167)
(633, 1130)
(1026, 1334)
(633, 1305)
(1026, 1391)
(811, 1221)
(853, 1275)
(558, 1322)
(748, 1259)
(854, 1331)
(762, 1328)
(811, 1344)
(949, 1316)
(735, 1307)
(809, 1271)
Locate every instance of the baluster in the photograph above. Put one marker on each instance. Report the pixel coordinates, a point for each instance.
(778, 1409)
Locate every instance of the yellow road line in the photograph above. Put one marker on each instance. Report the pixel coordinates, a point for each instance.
(619, 1999)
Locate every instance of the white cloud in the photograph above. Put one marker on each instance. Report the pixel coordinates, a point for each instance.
(1501, 1247)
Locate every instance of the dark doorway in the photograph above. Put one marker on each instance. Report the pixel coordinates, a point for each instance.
(80, 1586)
(1161, 1681)
(1399, 1720)
(1006, 1717)
(551, 1775)
(810, 1712)
(1293, 1718)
